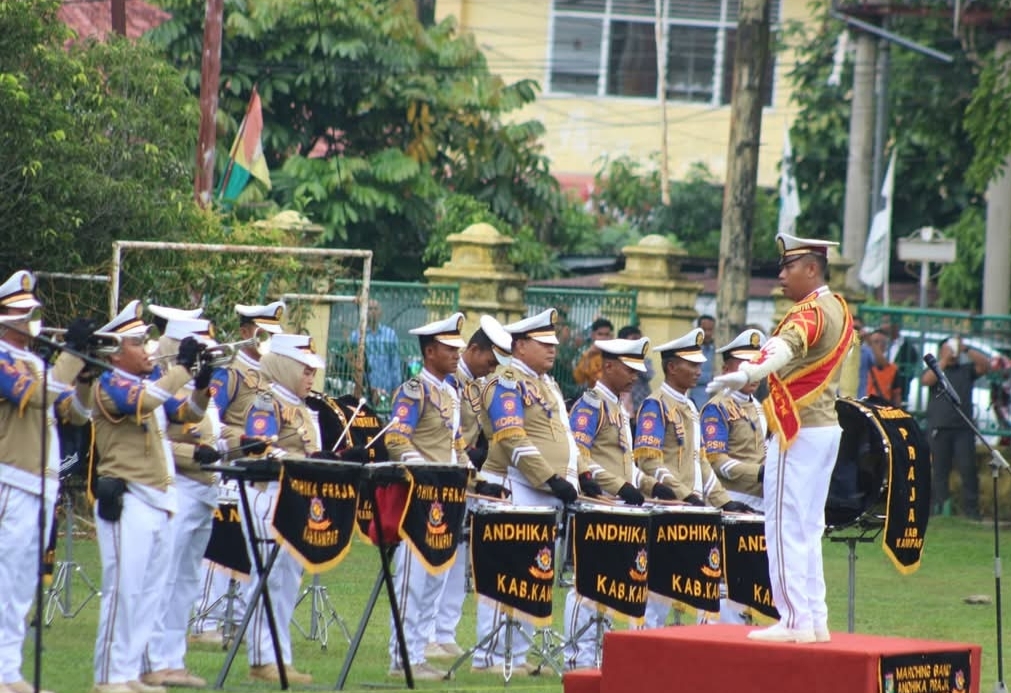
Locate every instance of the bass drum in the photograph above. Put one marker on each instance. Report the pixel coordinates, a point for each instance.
(859, 488)
(334, 414)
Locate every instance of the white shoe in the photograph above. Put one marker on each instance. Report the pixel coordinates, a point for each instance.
(780, 633)
(821, 634)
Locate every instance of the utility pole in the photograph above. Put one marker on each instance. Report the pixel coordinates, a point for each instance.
(119, 17)
(661, 90)
(856, 208)
(210, 76)
(996, 283)
(750, 61)
(426, 12)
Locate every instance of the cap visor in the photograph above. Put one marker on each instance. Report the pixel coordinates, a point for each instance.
(503, 360)
(452, 341)
(24, 303)
(546, 339)
(311, 360)
(272, 328)
(694, 358)
(744, 354)
(635, 365)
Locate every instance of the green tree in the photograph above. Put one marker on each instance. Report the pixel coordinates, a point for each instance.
(372, 121)
(95, 144)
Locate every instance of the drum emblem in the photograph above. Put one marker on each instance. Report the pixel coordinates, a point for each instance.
(959, 680)
(317, 515)
(712, 568)
(638, 572)
(541, 568)
(435, 518)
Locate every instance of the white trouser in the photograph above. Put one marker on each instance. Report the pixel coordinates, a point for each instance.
(135, 553)
(417, 593)
(283, 582)
(449, 603)
(212, 601)
(657, 611)
(190, 530)
(795, 489)
(581, 647)
(19, 569)
(490, 616)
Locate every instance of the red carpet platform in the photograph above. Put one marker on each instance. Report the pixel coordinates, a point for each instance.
(721, 659)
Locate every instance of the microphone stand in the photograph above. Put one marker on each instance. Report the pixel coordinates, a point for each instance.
(997, 464)
(43, 468)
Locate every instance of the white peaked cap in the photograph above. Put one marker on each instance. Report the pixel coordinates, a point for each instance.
(166, 313)
(267, 317)
(631, 352)
(501, 341)
(688, 347)
(19, 291)
(540, 327)
(299, 347)
(745, 346)
(180, 329)
(128, 321)
(791, 247)
(444, 331)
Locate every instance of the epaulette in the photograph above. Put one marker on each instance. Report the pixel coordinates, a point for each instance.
(592, 399)
(412, 389)
(507, 379)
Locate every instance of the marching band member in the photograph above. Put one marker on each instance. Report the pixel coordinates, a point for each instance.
(668, 441)
(531, 450)
(233, 390)
(136, 493)
(734, 428)
(487, 349)
(802, 360)
(68, 396)
(162, 314)
(602, 429)
(193, 445)
(290, 368)
(428, 429)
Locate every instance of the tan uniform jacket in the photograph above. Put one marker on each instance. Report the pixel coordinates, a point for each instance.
(603, 434)
(234, 390)
(127, 438)
(528, 428)
(428, 426)
(470, 406)
(666, 447)
(20, 420)
(734, 434)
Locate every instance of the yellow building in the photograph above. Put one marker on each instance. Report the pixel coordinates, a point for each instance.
(596, 63)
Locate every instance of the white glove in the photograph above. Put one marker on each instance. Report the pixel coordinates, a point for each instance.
(727, 381)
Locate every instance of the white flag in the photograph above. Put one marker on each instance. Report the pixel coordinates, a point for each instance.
(789, 200)
(874, 268)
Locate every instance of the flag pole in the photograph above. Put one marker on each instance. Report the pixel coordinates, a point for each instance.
(235, 145)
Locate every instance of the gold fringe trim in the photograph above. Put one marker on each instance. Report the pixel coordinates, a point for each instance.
(506, 433)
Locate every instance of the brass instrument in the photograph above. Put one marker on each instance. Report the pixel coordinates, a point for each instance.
(223, 354)
(107, 343)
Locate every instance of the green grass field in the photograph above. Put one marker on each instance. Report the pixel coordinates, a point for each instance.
(958, 562)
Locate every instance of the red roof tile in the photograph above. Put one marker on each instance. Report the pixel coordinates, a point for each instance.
(93, 18)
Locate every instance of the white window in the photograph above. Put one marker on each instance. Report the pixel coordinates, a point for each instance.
(608, 48)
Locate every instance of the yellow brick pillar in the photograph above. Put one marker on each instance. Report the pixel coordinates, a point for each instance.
(666, 301)
(488, 282)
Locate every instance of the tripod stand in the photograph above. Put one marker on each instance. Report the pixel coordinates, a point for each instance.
(58, 598)
(229, 622)
(321, 614)
(545, 643)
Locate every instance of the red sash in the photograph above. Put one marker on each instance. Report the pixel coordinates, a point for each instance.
(803, 386)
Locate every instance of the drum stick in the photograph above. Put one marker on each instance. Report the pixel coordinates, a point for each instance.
(490, 499)
(394, 420)
(351, 420)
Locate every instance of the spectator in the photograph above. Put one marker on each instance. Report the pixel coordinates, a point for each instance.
(951, 440)
(567, 355)
(900, 352)
(881, 378)
(382, 355)
(587, 371)
(641, 386)
(698, 393)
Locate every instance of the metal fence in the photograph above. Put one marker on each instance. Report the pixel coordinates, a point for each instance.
(923, 331)
(577, 309)
(391, 353)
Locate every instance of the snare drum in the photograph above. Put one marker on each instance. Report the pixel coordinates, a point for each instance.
(610, 555)
(746, 563)
(512, 554)
(686, 555)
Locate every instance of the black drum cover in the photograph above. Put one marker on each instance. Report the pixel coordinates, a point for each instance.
(861, 469)
(334, 413)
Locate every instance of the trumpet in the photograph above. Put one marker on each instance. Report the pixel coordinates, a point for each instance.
(107, 343)
(223, 354)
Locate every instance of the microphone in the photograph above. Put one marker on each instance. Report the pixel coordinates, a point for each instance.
(942, 380)
(351, 420)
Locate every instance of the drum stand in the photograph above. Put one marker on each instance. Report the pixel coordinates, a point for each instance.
(867, 533)
(59, 594)
(229, 625)
(544, 644)
(321, 614)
